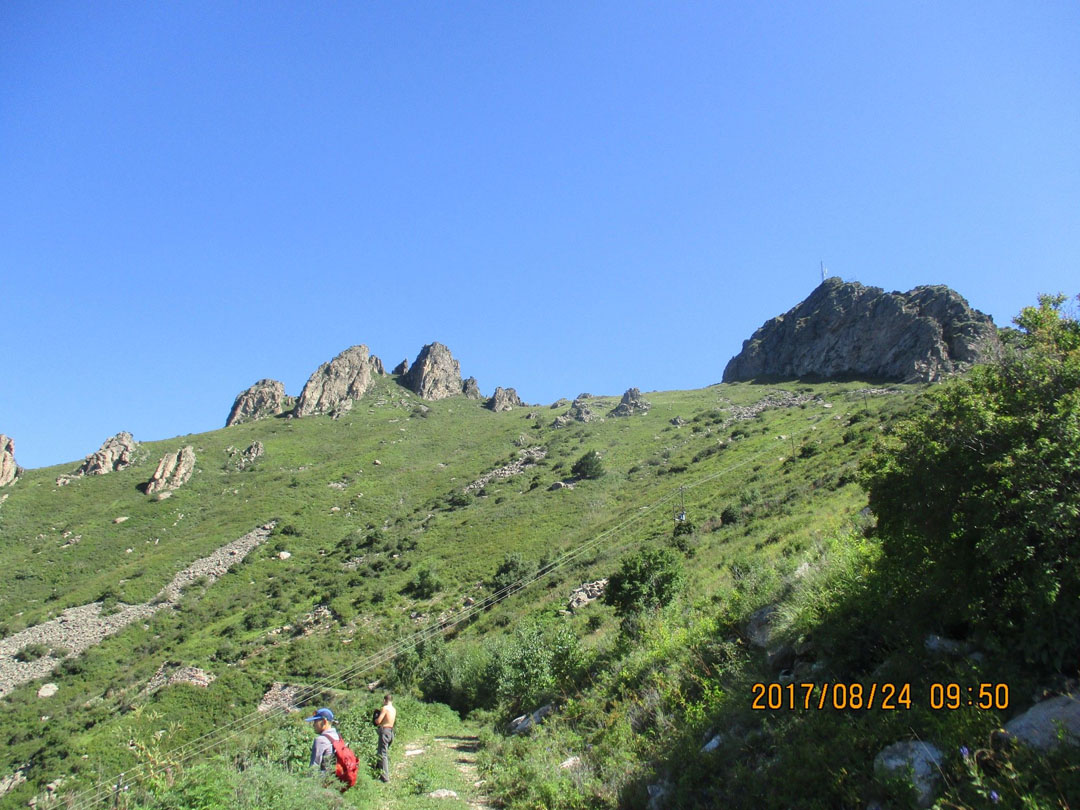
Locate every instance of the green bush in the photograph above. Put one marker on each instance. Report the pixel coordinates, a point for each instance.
(646, 580)
(588, 466)
(425, 584)
(31, 652)
(979, 497)
(512, 569)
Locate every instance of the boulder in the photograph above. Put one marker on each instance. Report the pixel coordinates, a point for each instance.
(921, 759)
(519, 725)
(435, 374)
(586, 593)
(242, 458)
(1039, 726)
(504, 399)
(471, 389)
(760, 625)
(115, 454)
(265, 398)
(631, 403)
(8, 468)
(442, 793)
(334, 385)
(579, 412)
(48, 690)
(844, 329)
(173, 471)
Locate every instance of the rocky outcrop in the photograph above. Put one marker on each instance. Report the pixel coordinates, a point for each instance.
(579, 412)
(526, 458)
(334, 385)
(239, 459)
(173, 471)
(1045, 725)
(844, 329)
(115, 454)
(8, 468)
(586, 593)
(402, 368)
(471, 389)
(631, 403)
(171, 674)
(435, 374)
(265, 398)
(504, 399)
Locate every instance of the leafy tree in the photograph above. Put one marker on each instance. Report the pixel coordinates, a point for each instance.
(588, 466)
(512, 569)
(646, 580)
(978, 499)
(425, 584)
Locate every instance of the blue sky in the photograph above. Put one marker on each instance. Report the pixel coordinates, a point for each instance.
(572, 196)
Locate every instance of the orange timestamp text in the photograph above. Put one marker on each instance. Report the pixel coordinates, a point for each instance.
(882, 696)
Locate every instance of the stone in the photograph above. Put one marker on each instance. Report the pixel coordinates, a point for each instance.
(759, 627)
(8, 468)
(241, 459)
(48, 690)
(923, 761)
(121, 519)
(938, 645)
(579, 412)
(435, 374)
(1039, 726)
(844, 329)
(560, 485)
(173, 471)
(170, 675)
(519, 725)
(631, 404)
(401, 369)
(115, 454)
(264, 399)
(284, 555)
(780, 658)
(570, 763)
(559, 403)
(713, 744)
(442, 793)
(677, 421)
(504, 399)
(471, 389)
(345, 378)
(585, 593)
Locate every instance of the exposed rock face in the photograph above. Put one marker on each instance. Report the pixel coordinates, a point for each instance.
(117, 452)
(921, 759)
(435, 374)
(8, 467)
(401, 368)
(168, 675)
(242, 458)
(334, 385)
(172, 471)
(471, 389)
(631, 403)
(844, 329)
(265, 398)
(586, 593)
(1039, 725)
(579, 412)
(504, 399)
(526, 458)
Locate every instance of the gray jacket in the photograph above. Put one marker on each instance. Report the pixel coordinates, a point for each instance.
(322, 750)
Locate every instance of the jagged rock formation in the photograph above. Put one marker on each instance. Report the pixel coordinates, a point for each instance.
(169, 674)
(173, 471)
(402, 368)
(435, 374)
(471, 389)
(844, 329)
(242, 458)
(504, 399)
(334, 385)
(116, 453)
(631, 403)
(265, 398)
(579, 412)
(8, 468)
(526, 458)
(586, 593)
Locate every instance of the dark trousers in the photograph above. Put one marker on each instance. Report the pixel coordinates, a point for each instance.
(386, 739)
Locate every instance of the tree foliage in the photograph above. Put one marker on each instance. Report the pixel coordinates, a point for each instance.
(978, 499)
(588, 466)
(646, 580)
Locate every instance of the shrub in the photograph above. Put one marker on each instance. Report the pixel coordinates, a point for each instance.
(31, 652)
(646, 580)
(425, 584)
(979, 497)
(588, 466)
(513, 568)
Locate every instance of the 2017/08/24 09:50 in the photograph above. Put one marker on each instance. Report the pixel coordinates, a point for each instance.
(884, 696)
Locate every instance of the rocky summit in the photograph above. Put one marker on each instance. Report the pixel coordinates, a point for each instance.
(844, 329)
(631, 403)
(334, 385)
(8, 468)
(471, 389)
(435, 374)
(172, 471)
(504, 399)
(265, 398)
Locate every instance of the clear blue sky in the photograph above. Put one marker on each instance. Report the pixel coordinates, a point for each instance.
(572, 196)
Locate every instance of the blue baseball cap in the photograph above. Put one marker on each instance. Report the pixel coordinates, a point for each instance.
(321, 714)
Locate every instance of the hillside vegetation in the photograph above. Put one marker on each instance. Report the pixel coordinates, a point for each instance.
(731, 523)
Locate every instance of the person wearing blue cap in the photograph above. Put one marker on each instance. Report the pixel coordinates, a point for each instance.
(322, 750)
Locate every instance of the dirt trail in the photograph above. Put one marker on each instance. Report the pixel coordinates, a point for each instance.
(466, 748)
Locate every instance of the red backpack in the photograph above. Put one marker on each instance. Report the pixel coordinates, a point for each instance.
(347, 763)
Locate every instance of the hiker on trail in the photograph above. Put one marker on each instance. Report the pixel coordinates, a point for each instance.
(385, 721)
(322, 750)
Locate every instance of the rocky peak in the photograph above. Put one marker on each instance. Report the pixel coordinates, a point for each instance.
(504, 399)
(8, 468)
(265, 398)
(844, 329)
(402, 368)
(172, 471)
(435, 374)
(115, 454)
(334, 385)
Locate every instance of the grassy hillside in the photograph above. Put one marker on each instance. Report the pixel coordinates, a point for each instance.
(384, 543)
